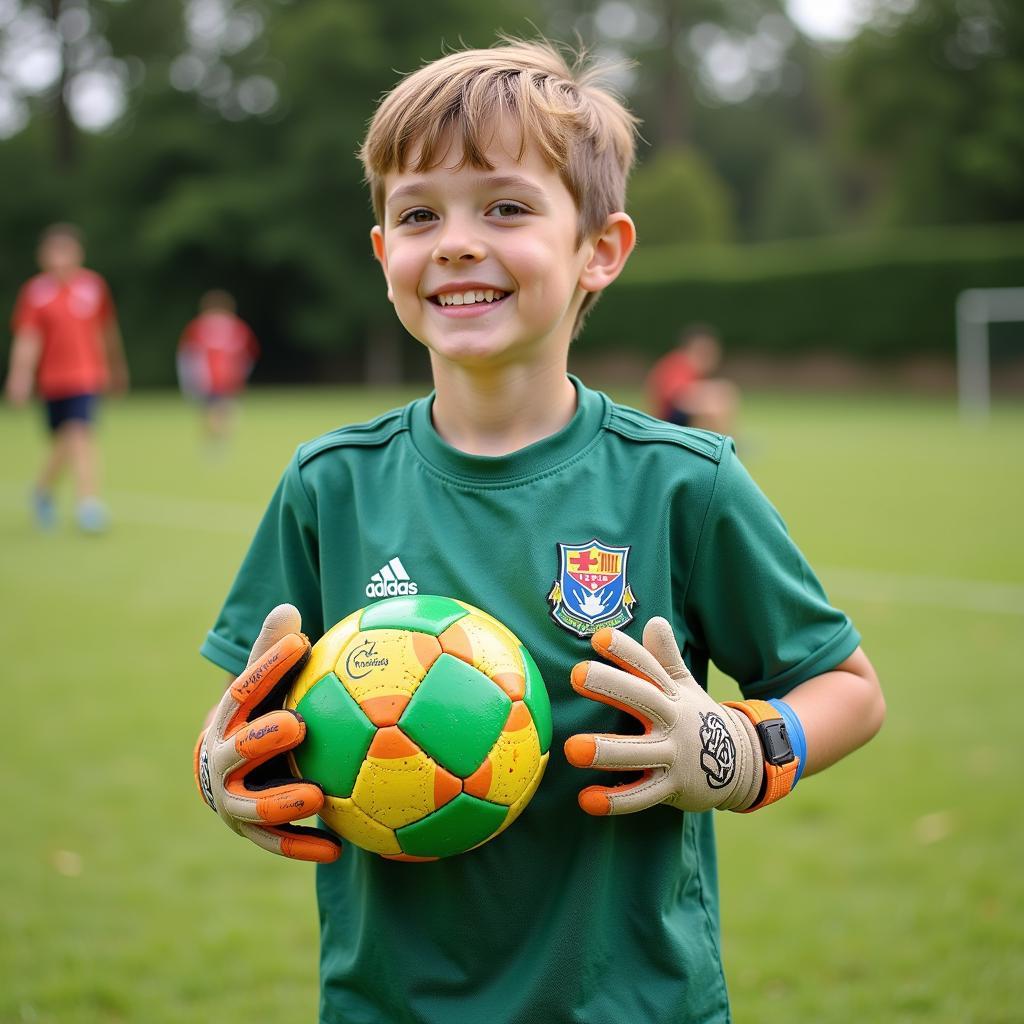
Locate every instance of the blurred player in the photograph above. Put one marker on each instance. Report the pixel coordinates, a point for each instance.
(67, 347)
(681, 387)
(216, 354)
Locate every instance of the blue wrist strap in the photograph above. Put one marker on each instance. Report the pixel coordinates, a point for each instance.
(797, 739)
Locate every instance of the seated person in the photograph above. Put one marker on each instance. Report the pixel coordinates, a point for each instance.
(681, 389)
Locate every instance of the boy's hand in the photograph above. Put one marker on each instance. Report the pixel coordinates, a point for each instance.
(695, 754)
(233, 745)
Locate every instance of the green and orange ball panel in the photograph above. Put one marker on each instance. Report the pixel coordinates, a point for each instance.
(427, 725)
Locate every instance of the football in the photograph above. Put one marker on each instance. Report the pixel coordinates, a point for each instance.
(428, 726)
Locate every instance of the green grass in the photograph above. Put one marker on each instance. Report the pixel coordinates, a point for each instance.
(888, 889)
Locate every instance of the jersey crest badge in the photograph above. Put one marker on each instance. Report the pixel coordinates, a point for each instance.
(591, 590)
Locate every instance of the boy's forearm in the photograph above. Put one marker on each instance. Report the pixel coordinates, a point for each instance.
(26, 349)
(840, 710)
(115, 355)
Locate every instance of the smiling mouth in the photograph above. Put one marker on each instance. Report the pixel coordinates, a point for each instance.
(473, 297)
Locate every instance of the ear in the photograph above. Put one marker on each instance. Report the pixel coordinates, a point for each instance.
(380, 254)
(611, 249)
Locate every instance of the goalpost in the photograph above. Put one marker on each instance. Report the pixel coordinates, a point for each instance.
(976, 308)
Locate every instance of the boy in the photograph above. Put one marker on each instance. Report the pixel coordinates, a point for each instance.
(498, 181)
(67, 344)
(216, 354)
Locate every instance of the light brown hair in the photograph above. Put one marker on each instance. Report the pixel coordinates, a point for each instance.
(217, 300)
(578, 123)
(62, 229)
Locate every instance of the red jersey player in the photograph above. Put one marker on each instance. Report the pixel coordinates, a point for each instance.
(681, 391)
(67, 347)
(216, 354)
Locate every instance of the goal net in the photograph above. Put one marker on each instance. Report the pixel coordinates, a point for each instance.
(976, 309)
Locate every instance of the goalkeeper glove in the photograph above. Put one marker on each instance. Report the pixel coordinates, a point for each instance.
(694, 754)
(235, 743)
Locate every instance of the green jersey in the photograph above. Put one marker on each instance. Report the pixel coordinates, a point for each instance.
(615, 519)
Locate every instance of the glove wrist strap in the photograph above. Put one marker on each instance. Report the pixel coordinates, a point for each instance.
(781, 762)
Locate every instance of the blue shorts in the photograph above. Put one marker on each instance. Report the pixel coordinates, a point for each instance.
(679, 417)
(75, 407)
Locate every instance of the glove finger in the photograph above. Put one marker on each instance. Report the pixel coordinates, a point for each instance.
(273, 804)
(620, 649)
(281, 621)
(258, 741)
(651, 788)
(296, 842)
(660, 640)
(257, 682)
(616, 752)
(644, 700)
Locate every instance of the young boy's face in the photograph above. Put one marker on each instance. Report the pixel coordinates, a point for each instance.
(60, 254)
(482, 266)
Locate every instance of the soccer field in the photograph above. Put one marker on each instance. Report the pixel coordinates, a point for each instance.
(888, 889)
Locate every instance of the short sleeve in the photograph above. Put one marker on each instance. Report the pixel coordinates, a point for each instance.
(187, 340)
(26, 310)
(282, 565)
(251, 344)
(106, 310)
(759, 610)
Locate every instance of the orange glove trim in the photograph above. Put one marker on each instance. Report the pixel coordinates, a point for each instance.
(264, 674)
(578, 681)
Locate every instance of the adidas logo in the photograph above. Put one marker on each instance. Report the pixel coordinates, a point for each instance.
(391, 580)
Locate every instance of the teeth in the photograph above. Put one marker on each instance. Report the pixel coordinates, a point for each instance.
(471, 297)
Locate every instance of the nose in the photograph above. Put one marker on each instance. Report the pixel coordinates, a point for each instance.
(458, 243)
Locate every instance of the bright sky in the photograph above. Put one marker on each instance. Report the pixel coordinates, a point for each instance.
(825, 19)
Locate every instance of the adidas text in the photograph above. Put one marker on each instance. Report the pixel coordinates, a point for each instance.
(391, 580)
(391, 589)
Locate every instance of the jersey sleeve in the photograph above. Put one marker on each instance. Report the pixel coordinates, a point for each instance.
(282, 565)
(187, 339)
(107, 311)
(26, 311)
(759, 610)
(252, 346)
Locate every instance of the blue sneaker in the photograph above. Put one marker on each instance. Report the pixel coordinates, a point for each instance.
(91, 515)
(43, 510)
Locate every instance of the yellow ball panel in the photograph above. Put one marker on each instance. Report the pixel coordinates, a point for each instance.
(396, 791)
(485, 644)
(497, 626)
(352, 823)
(385, 662)
(517, 808)
(323, 657)
(514, 759)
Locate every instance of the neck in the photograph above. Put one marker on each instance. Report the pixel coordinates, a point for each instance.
(499, 410)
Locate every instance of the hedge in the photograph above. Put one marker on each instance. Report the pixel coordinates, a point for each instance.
(879, 295)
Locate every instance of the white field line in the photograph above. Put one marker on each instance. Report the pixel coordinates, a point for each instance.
(872, 585)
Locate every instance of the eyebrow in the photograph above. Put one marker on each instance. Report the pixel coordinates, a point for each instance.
(512, 181)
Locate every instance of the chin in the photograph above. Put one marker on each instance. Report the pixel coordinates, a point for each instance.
(470, 351)
(471, 356)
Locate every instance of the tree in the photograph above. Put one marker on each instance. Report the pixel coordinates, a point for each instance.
(677, 197)
(798, 197)
(934, 100)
